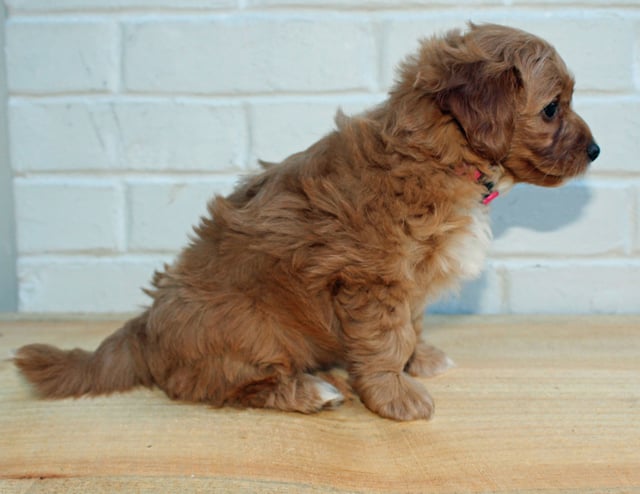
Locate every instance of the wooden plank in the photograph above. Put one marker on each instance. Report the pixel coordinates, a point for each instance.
(535, 405)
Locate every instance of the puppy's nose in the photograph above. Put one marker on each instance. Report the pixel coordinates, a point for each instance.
(593, 150)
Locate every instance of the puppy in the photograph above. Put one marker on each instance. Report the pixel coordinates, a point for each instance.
(330, 257)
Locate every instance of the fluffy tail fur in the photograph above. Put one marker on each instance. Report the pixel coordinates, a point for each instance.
(118, 364)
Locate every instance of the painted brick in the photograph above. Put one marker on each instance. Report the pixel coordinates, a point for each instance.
(598, 48)
(619, 141)
(636, 65)
(106, 5)
(182, 136)
(162, 213)
(578, 219)
(636, 220)
(136, 147)
(61, 136)
(55, 57)
(84, 284)
(278, 131)
(67, 215)
(575, 287)
(401, 35)
(349, 3)
(249, 55)
(595, 64)
(163, 135)
(373, 4)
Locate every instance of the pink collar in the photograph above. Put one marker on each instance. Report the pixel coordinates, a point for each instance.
(491, 194)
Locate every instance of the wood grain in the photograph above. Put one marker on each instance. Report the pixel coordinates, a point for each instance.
(536, 404)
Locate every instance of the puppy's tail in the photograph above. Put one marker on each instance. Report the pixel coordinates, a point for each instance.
(118, 364)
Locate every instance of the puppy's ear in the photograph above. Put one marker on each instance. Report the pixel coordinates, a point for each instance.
(482, 98)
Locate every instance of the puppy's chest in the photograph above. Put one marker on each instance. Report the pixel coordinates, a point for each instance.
(467, 253)
(456, 252)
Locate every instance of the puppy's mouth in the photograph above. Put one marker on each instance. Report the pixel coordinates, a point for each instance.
(552, 166)
(561, 172)
(544, 173)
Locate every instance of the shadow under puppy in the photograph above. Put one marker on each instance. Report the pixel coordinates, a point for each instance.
(330, 257)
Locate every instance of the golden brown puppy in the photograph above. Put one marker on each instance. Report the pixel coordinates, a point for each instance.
(330, 257)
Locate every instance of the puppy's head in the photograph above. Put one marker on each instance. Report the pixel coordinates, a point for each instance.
(509, 93)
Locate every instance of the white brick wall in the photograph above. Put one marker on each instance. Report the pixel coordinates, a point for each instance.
(68, 215)
(68, 134)
(151, 203)
(57, 63)
(248, 54)
(607, 285)
(125, 116)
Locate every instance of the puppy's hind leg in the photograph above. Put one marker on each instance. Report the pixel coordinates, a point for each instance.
(301, 392)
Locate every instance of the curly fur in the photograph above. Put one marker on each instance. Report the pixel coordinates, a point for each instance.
(330, 257)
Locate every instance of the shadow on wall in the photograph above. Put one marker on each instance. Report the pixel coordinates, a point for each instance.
(526, 207)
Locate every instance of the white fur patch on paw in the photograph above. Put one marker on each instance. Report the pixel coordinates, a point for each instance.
(448, 363)
(329, 394)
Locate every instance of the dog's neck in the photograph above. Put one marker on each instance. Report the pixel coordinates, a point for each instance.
(491, 192)
(477, 176)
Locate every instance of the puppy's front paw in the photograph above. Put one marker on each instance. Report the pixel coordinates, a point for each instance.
(428, 361)
(397, 396)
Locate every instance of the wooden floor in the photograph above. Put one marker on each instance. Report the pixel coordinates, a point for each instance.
(535, 405)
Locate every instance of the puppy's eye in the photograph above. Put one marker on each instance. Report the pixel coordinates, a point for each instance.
(551, 110)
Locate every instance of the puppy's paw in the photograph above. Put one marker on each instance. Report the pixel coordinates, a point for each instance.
(398, 397)
(428, 361)
(309, 394)
(304, 393)
(329, 396)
